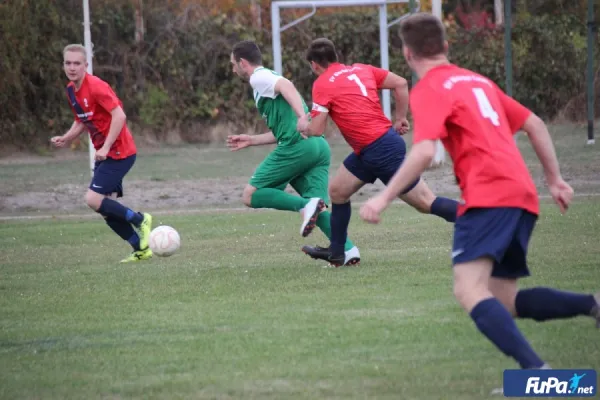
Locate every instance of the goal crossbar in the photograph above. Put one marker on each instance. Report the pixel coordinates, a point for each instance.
(384, 26)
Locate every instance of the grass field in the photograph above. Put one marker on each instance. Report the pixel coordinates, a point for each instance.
(240, 312)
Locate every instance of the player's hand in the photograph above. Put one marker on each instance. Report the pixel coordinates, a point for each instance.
(238, 142)
(101, 154)
(59, 141)
(302, 125)
(402, 126)
(562, 193)
(372, 209)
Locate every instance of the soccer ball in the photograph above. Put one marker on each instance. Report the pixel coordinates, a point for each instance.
(164, 241)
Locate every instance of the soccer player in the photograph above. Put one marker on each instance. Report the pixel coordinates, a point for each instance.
(303, 163)
(476, 121)
(98, 111)
(349, 94)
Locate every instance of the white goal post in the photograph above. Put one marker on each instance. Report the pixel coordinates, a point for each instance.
(384, 25)
(87, 39)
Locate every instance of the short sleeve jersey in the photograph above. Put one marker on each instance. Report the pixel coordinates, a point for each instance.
(350, 95)
(475, 121)
(92, 105)
(273, 107)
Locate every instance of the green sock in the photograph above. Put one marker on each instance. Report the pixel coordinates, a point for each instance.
(324, 224)
(277, 199)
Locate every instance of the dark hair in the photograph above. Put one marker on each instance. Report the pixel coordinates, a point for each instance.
(322, 52)
(424, 34)
(249, 51)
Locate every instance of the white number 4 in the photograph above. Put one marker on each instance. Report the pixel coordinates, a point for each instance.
(362, 87)
(486, 109)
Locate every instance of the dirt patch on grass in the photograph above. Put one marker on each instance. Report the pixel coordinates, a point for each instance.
(180, 194)
(45, 183)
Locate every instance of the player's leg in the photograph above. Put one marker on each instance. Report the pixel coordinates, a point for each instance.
(422, 199)
(126, 232)
(385, 156)
(493, 320)
(481, 239)
(349, 178)
(266, 188)
(543, 303)
(314, 184)
(538, 303)
(108, 178)
(123, 228)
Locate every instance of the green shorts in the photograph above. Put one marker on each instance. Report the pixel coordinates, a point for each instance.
(304, 165)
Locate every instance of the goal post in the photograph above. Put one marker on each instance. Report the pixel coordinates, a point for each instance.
(87, 39)
(384, 26)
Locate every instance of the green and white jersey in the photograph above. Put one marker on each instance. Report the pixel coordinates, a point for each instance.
(275, 110)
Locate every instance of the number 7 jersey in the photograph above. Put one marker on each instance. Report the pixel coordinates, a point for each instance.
(476, 121)
(350, 95)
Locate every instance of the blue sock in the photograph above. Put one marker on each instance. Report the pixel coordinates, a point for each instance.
(112, 208)
(496, 323)
(542, 304)
(125, 231)
(134, 241)
(340, 218)
(445, 208)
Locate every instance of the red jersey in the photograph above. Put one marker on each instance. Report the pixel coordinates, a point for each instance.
(92, 105)
(476, 121)
(350, 95)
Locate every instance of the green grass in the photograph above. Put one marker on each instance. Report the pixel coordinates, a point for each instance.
(240, 313)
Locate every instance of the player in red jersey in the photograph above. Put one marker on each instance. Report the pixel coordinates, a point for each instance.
(349, 94)
(98, 110)
(476, 121)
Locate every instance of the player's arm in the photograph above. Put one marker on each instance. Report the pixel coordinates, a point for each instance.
(540, 139)
(73, 133)
(520, 117)
(107, 99)
(76, 129)
(317, 124)
(238, 142)
(322, 100)
(262, 139)
(289, 92)
(430, 125)
(116, 125)
(417, 161)
(399, 86)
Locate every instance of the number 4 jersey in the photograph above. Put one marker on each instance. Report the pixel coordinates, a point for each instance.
(476, 121)
(350, 95)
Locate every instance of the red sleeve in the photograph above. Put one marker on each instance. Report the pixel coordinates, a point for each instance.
(321, 99)
(105, 97)
(430, 111)
(379, 75)
(516, 113)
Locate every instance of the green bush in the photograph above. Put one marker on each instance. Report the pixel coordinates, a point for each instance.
(179, 77)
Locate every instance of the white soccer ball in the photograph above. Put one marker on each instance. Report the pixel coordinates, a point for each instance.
(164, 241)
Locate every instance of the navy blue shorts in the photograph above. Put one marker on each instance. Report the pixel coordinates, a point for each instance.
(109, 174)
(379, 160)
(499, 233)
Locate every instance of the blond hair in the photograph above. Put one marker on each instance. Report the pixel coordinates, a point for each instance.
(76, 48)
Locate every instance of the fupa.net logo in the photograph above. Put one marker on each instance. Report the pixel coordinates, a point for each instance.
(550, 383)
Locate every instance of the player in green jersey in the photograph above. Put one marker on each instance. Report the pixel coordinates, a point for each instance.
(301, 162)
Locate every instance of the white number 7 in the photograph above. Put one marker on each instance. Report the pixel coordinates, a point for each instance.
(486, 109)
(362, 87)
